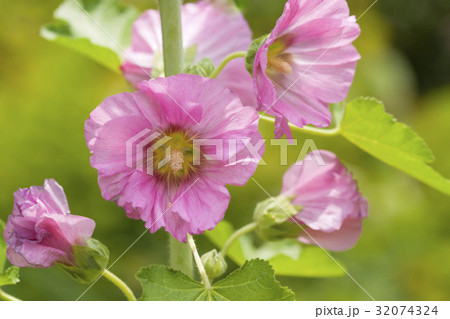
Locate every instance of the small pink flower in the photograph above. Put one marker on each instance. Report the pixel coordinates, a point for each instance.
(307, 62)
(209, 31)
(41, 231)
(333, 208)
(180, 196)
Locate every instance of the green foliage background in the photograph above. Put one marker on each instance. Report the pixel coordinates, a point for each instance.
(47, 92)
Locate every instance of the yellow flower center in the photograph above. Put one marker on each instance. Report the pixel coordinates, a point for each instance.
(278, 61)
(173, 161)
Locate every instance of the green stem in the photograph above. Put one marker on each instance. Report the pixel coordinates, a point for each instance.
(238, 233)
(170, 10)
(180, 256)
(172, 36)
(7, 297)
(198, 262)
(306, 129)
(232, 56)
(120, 284)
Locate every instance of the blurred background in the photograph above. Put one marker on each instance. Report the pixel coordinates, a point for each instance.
(47, 92)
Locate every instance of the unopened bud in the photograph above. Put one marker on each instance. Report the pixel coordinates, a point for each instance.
(215, 265)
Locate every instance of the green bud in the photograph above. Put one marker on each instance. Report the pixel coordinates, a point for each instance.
(273, 217)
(91, 261)
(215, 265)
(204, 67)
(251, 53)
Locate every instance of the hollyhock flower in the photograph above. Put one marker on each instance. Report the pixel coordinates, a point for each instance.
(307, 61)
(209, 31)
(41, 231)
(167, 116)
(333, 208)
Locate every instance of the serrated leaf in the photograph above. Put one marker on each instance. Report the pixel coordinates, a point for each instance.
(296, 261)
(368, 126)
(254, 281)
(99, 29)
(10, 276)
(163, 283)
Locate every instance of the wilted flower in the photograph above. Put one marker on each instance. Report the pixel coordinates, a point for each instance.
(167, 116)
(307, 61)
(41, 231)
(209, 31)
(332, 207)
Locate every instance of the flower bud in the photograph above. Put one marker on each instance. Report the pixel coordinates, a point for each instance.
(273, 217)
(204, 67)
(41, 230)
(215, 265)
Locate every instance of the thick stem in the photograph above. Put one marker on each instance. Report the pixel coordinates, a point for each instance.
(120, 284)
(306, 129)
(7, 297)
(170, 10)
(222, 65)
(172, 36)
(198, 262)
(180, 256)
(238, 233)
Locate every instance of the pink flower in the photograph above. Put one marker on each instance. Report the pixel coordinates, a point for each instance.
(181, 196)
(41, 231)
(333, 208)
(307, 61)
(209, 31)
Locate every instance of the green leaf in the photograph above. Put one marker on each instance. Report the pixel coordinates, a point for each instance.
(368, 126)
(10, 276)
(287, 257)
(99, 29)
(254, 281)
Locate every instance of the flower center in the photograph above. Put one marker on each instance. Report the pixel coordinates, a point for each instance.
(173, 160)
(278, 61)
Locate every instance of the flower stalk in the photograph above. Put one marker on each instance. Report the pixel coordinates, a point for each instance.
(226, 60)
(172, 36)
(120, 284)
(238, 233)
(198, 262)
(7, 297)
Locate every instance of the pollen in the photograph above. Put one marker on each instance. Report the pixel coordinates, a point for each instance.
(176, 161)
(173, 161)
(278, 61)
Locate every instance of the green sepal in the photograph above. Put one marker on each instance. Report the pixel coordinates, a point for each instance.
(273, 217)
(10, 275)
(91, 260)
(251, 53)
(204, 67)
